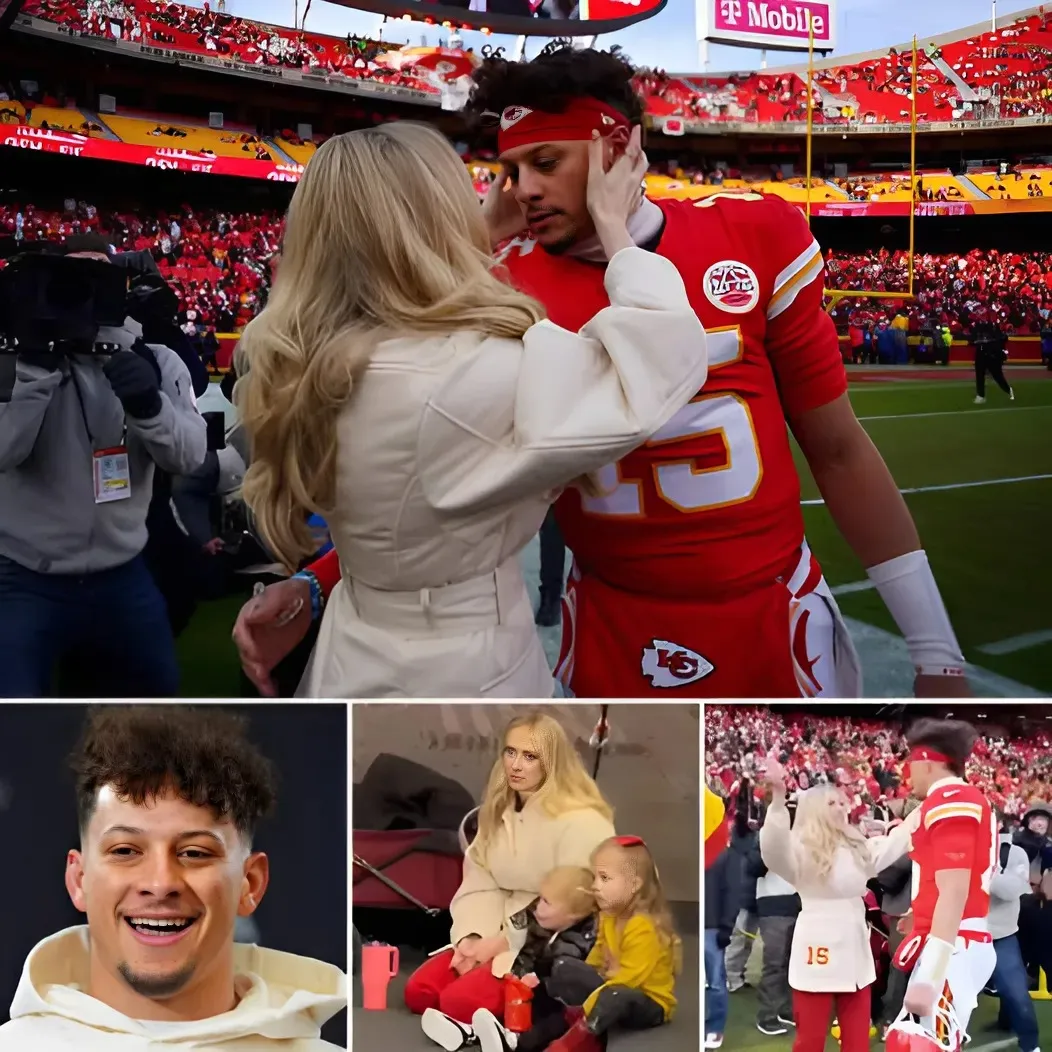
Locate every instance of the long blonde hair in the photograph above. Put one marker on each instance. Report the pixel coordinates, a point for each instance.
(817, 840)
(650, 900)
(384, 238)
(567, 786)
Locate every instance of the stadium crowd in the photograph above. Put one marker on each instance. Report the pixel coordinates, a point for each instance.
(763, 763)
(217, 262)
(864, 757)
(1008, 69)
(1012, 290)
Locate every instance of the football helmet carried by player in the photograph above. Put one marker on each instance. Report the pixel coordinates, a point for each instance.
(908, 1034)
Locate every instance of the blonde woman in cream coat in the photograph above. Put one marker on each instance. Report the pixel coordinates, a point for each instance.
(828, 862)
(397, 387)
(540, 810)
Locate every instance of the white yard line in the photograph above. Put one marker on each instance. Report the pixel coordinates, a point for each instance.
(885, 658)
(1021, 642)
(853, 586)
(960, 412)
(817, 501)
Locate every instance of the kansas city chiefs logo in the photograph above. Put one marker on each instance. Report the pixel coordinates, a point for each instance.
(669, 665)
(512, 115)
(732, 286)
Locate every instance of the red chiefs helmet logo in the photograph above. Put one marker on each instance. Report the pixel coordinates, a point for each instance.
(512, 115)
(732, 286)
(669, 665)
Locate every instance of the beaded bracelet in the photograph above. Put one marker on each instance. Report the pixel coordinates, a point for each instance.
(317, 596)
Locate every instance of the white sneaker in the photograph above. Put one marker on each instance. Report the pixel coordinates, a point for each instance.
(446, 1032)
(979, 400)
(714, 1040)
(1011, 398)
(490, 1034)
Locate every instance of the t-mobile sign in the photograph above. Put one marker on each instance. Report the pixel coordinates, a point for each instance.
(773, 24)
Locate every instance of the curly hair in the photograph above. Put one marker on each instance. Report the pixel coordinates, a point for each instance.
(202, 754)
(550, 82)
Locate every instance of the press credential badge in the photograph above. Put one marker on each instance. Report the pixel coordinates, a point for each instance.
(112, 474)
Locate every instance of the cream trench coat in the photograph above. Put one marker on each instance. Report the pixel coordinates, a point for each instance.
(451, 450)
(831, 951)
(528, 845)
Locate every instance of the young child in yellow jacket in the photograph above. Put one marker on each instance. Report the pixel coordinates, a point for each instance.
(628, 980)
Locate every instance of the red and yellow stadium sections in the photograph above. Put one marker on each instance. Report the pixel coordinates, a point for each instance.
(177, 134)
(301, 153)
(1010, 64)
(213, 152)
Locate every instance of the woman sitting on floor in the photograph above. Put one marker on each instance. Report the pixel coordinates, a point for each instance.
(540, 811)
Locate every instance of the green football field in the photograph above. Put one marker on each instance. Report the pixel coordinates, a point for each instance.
(982, 477)
(742, 1036)
(983, 506)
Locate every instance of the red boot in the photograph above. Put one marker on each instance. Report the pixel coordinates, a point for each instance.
(578, 1039)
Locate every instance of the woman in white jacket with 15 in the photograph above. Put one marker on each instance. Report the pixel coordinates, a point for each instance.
(828, 861)
(396, 386)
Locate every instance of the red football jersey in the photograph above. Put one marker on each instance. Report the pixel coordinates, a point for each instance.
(958, 830)
(711, 504)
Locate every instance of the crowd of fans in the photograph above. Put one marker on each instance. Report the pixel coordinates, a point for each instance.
(864, 757)
(781, 884)
(217, 262)
(219, 35)
(1008, 70)
(1012, 290)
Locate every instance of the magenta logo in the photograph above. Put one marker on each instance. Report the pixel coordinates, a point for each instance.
(772, 19)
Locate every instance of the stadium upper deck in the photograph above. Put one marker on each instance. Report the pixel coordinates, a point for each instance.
(973, 78)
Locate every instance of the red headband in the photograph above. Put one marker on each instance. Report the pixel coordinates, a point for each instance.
(923, 752)
(630, 841)
(520, 126)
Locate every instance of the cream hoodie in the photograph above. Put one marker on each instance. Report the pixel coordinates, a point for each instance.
(527, 846)
(285, 999)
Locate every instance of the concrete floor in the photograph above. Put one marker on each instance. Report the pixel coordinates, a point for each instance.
(397, 1030)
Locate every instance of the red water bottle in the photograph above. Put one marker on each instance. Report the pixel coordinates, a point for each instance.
(518, 1008)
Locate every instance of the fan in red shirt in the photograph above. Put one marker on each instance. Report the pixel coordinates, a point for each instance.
(949, 951)
(691, 573)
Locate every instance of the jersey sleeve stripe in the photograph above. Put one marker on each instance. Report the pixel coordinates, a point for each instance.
(785, 294)
(953, 810)
(795, 267)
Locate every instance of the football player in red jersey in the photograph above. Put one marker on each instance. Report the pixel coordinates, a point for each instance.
(949, 950)
(691, 573)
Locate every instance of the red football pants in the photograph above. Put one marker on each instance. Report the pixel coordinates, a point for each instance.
(775, 641)
(813, 1014)
(435, 985)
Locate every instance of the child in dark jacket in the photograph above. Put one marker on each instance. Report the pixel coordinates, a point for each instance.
(560, 926)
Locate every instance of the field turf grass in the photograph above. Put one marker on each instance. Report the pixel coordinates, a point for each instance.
(742, 1036)
(989, 544)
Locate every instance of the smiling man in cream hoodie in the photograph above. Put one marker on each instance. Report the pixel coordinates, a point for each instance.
(168, 800)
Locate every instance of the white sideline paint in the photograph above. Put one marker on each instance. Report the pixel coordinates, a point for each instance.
(1021, 642)
(853, 586)
(817, 501)
(959, 412)
(888, 672)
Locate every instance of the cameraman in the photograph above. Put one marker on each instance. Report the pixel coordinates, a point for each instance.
(79, 442)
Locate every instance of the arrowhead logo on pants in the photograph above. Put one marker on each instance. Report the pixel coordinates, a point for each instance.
(669, 665)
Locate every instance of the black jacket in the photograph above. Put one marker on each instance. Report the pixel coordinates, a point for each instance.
(543, 948)
(723, 892)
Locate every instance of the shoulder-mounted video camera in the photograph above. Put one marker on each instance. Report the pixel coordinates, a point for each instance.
(53, 301)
